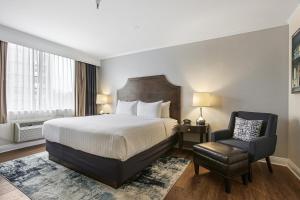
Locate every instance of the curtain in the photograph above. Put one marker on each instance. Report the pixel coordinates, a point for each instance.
(99, 78)
(39, 84)
(3, 58)
(80, 88)
(91, 90)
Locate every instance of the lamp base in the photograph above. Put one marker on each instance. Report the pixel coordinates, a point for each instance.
(200, 121)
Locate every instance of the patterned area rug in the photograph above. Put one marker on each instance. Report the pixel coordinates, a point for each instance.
(40, 178)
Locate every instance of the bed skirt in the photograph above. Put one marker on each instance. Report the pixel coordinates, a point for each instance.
(112, 172)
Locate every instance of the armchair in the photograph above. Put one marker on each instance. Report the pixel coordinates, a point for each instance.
(262, 147)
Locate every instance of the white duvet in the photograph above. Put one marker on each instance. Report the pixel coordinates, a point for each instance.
(111, 136)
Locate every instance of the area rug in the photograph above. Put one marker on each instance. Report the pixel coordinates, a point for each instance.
(39, 178)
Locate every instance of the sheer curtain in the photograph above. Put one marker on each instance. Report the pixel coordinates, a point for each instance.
(39, 84)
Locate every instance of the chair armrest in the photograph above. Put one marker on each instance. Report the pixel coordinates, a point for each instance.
(221, 135)
(262, 147)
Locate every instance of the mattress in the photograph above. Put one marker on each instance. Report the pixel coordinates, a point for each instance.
(110, 136)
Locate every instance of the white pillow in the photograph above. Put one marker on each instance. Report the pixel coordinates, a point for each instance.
(165, 109)
(149, 110)
(126, 107)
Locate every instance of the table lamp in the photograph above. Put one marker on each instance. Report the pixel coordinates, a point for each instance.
(201, 99)
(102, 99)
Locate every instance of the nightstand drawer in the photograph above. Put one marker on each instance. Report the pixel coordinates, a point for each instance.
(193, 129)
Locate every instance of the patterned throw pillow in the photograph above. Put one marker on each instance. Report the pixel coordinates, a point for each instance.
(247, 130)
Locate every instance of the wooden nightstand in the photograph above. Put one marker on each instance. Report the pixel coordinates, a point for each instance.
(201, 130)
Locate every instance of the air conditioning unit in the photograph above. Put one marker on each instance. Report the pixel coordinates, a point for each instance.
(26, 131)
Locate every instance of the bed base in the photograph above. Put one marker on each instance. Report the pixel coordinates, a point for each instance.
(112, 172)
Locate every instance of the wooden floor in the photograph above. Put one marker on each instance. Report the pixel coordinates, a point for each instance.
(281, 185)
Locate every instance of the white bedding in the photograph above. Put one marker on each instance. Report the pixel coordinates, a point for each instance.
(111, 136)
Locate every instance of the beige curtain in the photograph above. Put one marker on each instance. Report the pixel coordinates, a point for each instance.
(3, 57)
(80, 88)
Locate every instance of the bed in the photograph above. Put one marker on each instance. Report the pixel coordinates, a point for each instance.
(113, 148)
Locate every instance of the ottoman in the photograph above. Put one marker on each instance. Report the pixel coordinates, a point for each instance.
(225, 160)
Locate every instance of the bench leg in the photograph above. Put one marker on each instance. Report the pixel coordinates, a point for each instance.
(196, 168)
(227, 185)
(245, 179)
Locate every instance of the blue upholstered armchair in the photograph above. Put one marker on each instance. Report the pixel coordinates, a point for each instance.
(261, 147)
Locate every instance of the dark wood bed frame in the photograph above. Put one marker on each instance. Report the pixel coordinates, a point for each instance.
(114, 172)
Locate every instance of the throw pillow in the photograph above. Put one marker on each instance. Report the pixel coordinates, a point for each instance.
(246, 130)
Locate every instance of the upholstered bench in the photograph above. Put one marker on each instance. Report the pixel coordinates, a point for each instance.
(222, 159)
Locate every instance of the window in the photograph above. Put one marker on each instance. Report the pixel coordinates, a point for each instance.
(38, 83)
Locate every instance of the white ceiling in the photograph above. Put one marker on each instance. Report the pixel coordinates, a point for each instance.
(126, 26)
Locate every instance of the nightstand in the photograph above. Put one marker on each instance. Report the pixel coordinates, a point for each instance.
(201, 130)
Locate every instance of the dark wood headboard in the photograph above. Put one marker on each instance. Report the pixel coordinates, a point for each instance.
(150, 89)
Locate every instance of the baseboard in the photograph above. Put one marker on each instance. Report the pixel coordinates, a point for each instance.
(285, 162)
(279, 160)
(15, 146)
(294, 168)
(275, 160)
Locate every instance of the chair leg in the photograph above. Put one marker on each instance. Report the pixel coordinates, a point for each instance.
(250, 173)
(269, 164)
(196, 168)
(227, 185)
(245, 179)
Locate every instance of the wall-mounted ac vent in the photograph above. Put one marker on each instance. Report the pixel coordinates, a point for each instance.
(26, 131)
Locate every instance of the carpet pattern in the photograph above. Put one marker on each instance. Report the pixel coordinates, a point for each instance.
(39, 178)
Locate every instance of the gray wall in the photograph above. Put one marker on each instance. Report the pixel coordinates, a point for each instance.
(294, 104)
(246, 71)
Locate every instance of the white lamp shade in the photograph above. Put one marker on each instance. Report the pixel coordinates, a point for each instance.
(202, 99)
(102, 99)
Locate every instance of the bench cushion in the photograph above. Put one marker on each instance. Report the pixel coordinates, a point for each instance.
(221, 152)
(236, 143)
